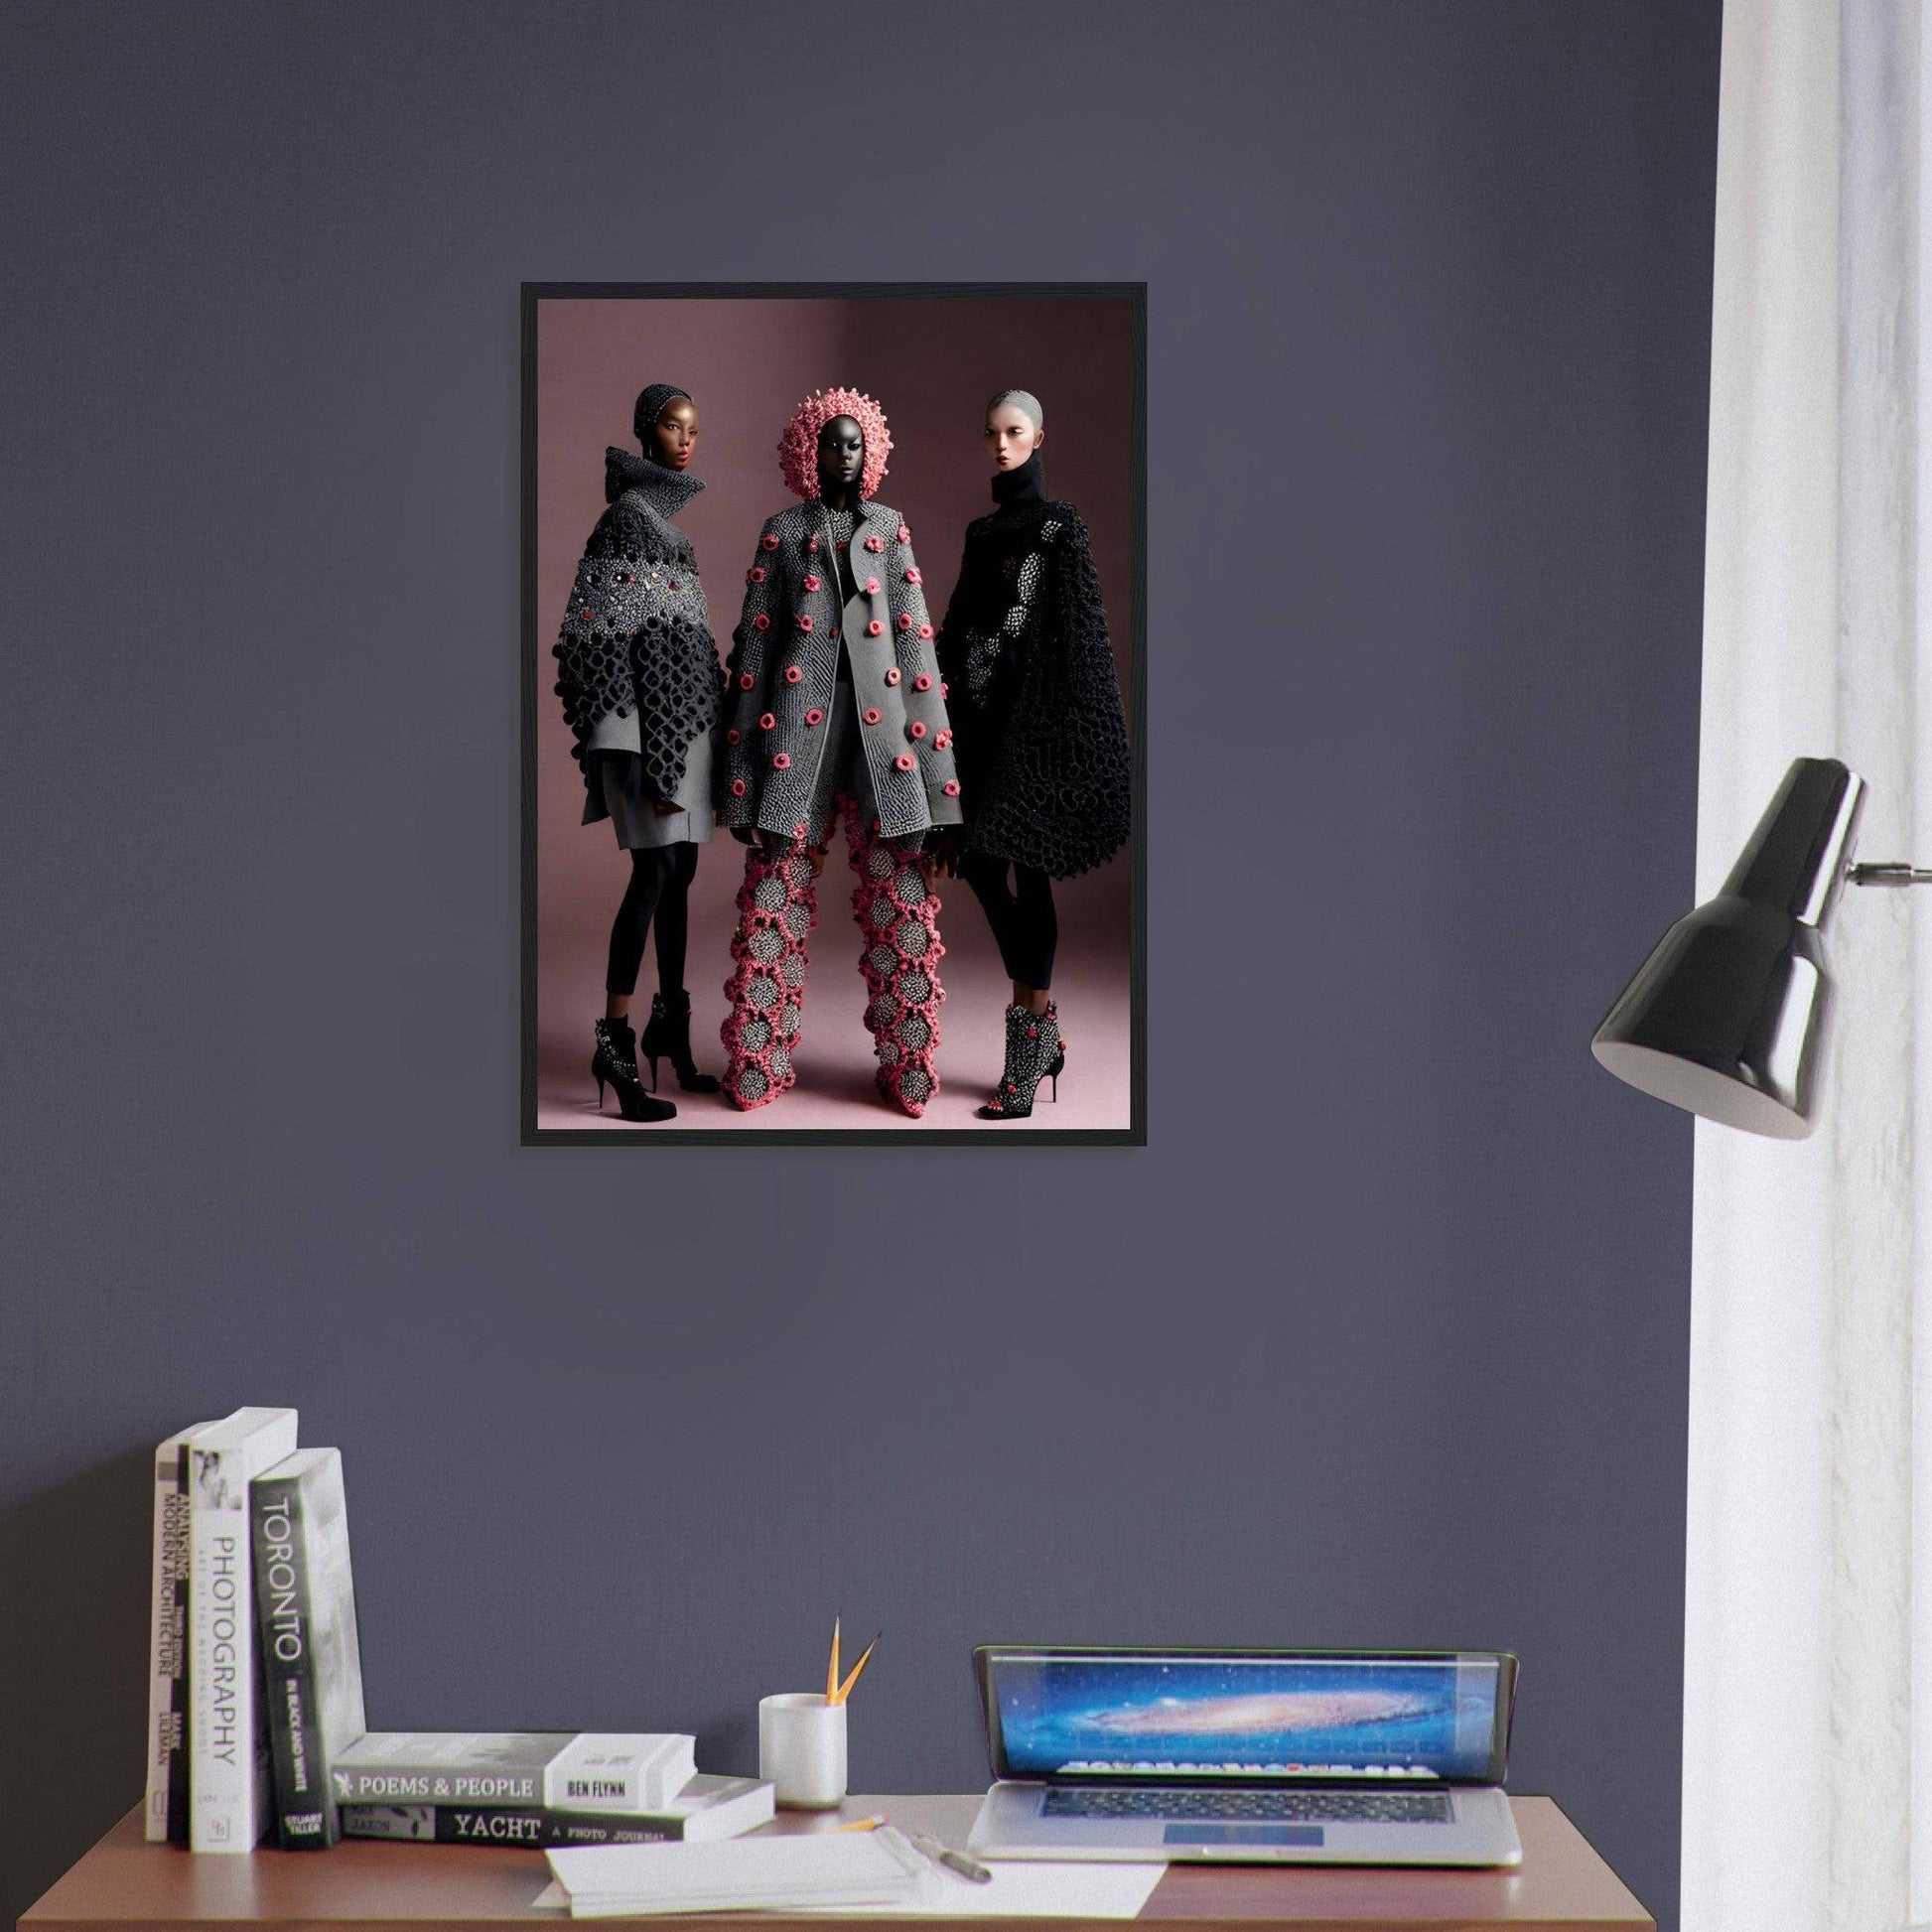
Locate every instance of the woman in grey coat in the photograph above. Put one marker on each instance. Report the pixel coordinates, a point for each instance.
(639, 677)
(835, 709)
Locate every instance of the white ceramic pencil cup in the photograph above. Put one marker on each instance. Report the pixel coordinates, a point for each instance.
(801, 1750)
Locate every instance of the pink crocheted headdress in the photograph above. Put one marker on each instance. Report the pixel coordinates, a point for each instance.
(798, 445)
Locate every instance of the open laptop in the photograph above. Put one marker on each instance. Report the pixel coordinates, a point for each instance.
(1270, 1756)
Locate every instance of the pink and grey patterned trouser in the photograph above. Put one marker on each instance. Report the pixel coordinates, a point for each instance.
(899, 919)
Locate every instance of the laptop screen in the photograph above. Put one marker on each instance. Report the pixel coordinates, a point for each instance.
(1191, 1715)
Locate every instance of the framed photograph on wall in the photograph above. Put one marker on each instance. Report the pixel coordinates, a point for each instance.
(834, 679)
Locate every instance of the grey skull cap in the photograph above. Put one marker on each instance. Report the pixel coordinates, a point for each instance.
(1028, 406)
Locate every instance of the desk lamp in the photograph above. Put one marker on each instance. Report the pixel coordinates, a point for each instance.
(1726, 1015)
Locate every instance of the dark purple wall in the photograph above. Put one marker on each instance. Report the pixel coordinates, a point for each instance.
(1380, 1342)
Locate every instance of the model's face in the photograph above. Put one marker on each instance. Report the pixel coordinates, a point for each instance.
(677, 434)
(1011, 436)
(841, 454)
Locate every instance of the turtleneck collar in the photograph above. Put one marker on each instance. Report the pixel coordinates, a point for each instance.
(666, 490)
(1027, 484)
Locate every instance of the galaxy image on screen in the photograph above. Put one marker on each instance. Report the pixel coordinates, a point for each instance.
(1246, 1717)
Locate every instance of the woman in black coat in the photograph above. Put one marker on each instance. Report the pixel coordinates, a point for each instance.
(1039, 733)
(638, 672)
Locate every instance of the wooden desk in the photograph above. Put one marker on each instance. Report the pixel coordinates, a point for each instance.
(365, 1886)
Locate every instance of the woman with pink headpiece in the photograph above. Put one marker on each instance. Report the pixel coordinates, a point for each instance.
(835, 710)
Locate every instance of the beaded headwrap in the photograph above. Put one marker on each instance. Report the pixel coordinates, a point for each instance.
(650, 406)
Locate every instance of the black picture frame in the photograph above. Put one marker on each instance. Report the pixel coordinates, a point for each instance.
(533, 686)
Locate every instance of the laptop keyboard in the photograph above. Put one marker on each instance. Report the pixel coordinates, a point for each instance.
(1296, 1807)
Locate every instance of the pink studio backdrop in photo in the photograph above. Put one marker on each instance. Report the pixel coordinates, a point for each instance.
(748, 363)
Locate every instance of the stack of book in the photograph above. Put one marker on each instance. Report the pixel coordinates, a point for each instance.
(256, 1720)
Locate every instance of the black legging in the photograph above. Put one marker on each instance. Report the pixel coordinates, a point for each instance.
(661, 887)
(1021, 915)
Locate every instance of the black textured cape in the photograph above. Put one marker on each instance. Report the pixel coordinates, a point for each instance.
(636, 636)
(1045, 775)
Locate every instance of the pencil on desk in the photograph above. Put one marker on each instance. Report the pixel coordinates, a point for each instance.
(844, 1691)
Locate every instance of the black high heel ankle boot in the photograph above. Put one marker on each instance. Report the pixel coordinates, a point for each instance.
(667, 1035)
(616, 1060)
(1034, 1053)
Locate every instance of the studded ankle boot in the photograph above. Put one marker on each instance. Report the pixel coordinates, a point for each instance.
(667, 1035)
(1034, 1053)
(616, 1060)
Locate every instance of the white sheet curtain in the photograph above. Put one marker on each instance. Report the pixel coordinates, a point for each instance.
(1808, 1665)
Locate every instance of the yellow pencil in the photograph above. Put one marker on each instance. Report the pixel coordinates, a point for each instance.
(865, 1656)
(832, 1669)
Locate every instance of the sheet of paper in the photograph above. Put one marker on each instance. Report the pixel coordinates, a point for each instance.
(779, 1872)
(1028, 1888)
(1018, 1890)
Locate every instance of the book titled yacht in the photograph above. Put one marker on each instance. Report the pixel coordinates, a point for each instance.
(707, 1810)
(563, 1770)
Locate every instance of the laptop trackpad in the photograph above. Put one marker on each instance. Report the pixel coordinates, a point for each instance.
(1243, 1834)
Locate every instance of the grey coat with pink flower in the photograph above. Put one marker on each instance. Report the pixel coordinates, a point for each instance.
(784, 679)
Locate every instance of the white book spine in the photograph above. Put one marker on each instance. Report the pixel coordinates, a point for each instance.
(227, 1767)
(615, 1771)
(165, 1805)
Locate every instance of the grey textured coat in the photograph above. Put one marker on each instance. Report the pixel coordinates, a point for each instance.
(783, 679)
(637, 670)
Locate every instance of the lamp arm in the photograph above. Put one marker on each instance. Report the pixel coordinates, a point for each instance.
(1892, 872)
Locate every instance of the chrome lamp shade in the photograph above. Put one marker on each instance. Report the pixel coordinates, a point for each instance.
(1725, 1017)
